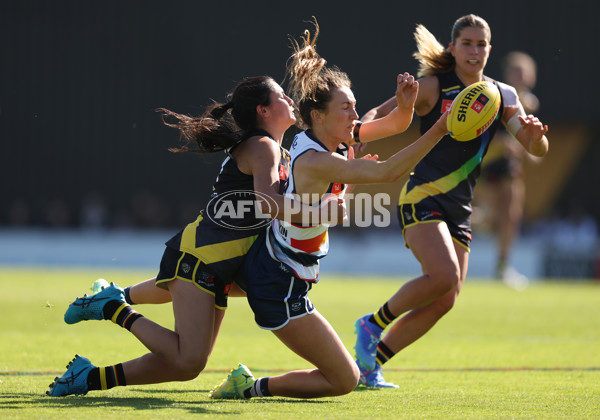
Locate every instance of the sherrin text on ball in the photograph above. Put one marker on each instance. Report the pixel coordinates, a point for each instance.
(473, 111)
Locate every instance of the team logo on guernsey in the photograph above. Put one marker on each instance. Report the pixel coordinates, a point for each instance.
(479, 103)
(241, 209)
(336, 188)
(283, 173)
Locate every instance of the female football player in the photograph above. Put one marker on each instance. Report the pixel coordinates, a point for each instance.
(198, 265)
(435, 204)
(283, 263)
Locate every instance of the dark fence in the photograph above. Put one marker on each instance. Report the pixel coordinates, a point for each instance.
(79, 82)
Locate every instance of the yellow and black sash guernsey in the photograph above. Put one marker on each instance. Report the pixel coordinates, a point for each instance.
(229, 224)
(447, 174)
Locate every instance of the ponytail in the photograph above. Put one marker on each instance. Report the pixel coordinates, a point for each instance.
(433, 58)
(223, 125)
(310, 82)
(211, 132)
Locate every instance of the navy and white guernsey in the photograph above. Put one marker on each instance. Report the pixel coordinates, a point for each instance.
(301, 247)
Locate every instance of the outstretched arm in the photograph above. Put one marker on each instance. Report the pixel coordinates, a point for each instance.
(321, 168)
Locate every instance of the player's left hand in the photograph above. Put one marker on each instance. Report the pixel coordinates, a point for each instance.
(533, 127)
(406, 90)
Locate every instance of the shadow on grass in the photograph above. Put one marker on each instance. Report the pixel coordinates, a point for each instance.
(267, 400)
(361, 388)
(18, 401)
(192, 401)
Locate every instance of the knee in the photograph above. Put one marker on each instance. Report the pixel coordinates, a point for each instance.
(189, 367)
(348, 381)
(443, 305)
(445, 278)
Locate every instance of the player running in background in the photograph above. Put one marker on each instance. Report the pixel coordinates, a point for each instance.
(199, 263)
(283, 264)
(503, 187)
(435, 204)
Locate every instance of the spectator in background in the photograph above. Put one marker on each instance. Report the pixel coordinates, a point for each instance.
(502, 192)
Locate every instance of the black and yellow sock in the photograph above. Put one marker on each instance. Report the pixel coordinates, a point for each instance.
(106, 377)
(384, 354)
(127, 292)
(121, 313)
(383, 317)
(259, 389)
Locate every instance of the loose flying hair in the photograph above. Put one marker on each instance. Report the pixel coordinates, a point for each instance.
(310, 82)
(222, 125)
(433, 58)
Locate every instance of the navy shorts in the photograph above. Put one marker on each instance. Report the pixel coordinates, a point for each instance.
(429, 211)
(184, 266)
(502, 168)
(275, 294)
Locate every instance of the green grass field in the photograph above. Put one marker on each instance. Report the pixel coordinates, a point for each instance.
(498, 354)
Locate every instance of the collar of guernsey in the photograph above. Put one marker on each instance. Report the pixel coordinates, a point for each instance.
(301, 246)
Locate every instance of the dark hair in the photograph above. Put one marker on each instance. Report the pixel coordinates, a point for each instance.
(310, 82)
(433, 57)
(217, 129)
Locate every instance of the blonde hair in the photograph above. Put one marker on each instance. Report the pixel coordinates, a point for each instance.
(310, 82)
(432, 56)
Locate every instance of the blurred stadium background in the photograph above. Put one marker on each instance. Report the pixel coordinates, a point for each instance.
(86, 175)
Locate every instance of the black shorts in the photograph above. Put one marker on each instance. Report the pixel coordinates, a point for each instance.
(275, 294)
(428, 211)
(502, 168)
(184, 266)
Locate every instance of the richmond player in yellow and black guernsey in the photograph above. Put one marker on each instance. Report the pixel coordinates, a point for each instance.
(218, 240)
(435, 204)
(198, 263)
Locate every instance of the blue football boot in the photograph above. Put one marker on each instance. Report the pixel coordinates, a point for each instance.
(368, 336)
(374, 378)
(74, 380)
(91, 307)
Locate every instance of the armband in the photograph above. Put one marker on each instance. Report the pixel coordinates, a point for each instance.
(356, 131)
(514, 125)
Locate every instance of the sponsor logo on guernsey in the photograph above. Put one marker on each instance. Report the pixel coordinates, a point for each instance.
(283, 174)
(452, 90)
(336, 188)
(428, 214)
